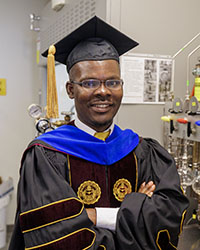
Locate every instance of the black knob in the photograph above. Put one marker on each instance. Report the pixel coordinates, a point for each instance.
(189, 130)
(171, 126)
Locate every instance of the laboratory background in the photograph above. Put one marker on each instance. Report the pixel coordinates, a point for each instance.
(161, 90)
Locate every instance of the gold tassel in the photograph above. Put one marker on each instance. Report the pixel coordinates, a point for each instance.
(52, 97)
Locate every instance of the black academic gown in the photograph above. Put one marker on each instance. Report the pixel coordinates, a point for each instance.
(51, 215)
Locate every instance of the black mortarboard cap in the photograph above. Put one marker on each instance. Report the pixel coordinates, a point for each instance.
(93, 40)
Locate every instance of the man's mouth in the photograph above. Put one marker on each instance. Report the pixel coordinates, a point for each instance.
(101, 107)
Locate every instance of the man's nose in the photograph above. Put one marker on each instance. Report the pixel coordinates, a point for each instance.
(103, 90)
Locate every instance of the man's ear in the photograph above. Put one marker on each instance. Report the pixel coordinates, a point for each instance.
(70, 90)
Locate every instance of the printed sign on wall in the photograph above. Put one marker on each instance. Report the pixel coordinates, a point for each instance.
(147, 78)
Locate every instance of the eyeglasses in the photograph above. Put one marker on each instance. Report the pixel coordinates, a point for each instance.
(112, 84)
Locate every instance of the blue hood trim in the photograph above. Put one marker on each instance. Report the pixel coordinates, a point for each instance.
(71, 140)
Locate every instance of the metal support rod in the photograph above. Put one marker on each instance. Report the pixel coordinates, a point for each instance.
(185, 46)
(173, 62)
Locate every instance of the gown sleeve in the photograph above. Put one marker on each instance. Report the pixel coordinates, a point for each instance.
(145, 223)
(49, 214)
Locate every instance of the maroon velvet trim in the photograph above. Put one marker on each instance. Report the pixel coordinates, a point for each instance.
(163, 241)
(89, 171)
(125, 168)
(140, 139)
(104, 176)
(50, 214)
(77, 241)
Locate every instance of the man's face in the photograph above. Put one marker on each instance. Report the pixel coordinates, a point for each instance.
(95, 107)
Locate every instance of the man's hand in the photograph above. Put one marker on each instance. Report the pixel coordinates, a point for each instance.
(91, 212)
(147, 189)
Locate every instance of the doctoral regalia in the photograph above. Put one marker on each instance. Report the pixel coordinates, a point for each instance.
(67, 170)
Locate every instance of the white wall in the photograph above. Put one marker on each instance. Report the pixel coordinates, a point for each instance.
(18, 66)
(161, 27)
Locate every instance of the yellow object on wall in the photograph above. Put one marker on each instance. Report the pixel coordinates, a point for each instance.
(2, 86)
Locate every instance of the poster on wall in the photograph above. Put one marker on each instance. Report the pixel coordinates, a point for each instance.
(147, 78)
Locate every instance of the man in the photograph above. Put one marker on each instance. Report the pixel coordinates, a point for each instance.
(78, 190)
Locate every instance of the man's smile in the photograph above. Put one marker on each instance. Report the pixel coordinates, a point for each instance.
(101, 107)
